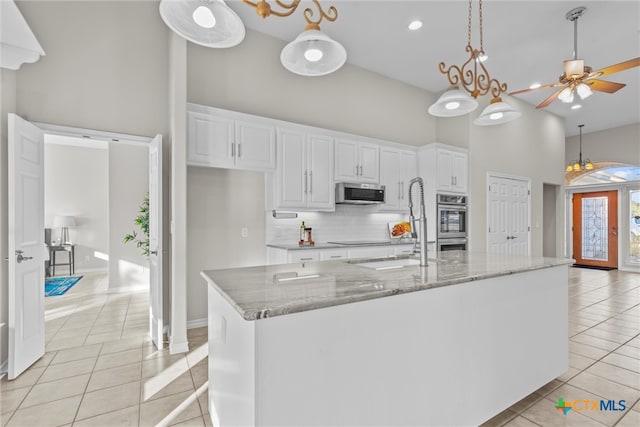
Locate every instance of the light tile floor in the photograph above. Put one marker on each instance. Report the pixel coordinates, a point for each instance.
(100, 369)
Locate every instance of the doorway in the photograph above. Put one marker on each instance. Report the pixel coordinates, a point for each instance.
(549, 224)
(595, 229)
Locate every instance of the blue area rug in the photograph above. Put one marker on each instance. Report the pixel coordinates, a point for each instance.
(54, 286)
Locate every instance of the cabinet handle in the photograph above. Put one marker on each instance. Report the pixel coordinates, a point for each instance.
(306, 259)
(399, 190)
(455, 180)
(452, 180)
(310, 181)
(335, 256)
(402, 191)
(305, 182)
(239, 149)
(233, 149)
(360, 170)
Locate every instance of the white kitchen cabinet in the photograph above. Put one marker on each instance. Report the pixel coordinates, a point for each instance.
(356, 161)
(304, 176)
(451, 171)
(224, 139)
(397, 168)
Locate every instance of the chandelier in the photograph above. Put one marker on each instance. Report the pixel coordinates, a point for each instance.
(580, 165)
(471, 80)
(212, 23)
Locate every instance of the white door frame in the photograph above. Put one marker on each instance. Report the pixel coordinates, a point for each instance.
(517, 178)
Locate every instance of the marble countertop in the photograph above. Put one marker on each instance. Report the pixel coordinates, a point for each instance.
(327, 245)
(275, 290)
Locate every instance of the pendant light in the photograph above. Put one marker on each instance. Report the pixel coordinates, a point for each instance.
(209, 23)
(579, 165)
(473, 77)
(18, 44)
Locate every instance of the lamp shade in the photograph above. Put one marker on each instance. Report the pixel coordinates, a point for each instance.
(64, 221)
(496, 113)
(18, 45)
(209, 23)
(454, 102)
(313, 53)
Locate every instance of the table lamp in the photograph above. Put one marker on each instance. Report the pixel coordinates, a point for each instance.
(64, 222)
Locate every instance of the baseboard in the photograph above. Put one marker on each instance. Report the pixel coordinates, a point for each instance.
(178, 347)
(198, 323)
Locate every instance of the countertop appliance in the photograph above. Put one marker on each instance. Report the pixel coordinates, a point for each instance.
(359, 193)
(452, 222)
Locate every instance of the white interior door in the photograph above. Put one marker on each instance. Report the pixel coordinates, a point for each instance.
(508, 210)
(156, 318)
(26, 245)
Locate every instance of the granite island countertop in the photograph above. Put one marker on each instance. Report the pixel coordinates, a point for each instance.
(274, 290)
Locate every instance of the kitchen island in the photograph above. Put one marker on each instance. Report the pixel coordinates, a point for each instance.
(384, 342)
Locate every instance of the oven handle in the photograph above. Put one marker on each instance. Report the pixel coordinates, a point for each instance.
(452, 207)
(452, 241)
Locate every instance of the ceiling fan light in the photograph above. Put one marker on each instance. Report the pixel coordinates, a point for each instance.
(566, 95)
(454, 102)
(208, 23)
(301, 55)
(583, 90)
(496, 113)
(574, 68)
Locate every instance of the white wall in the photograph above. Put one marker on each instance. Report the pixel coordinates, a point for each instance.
(530, 147)
(128, 186)
(221, 202)
(76, 183)
(621, 144)
(7, 105)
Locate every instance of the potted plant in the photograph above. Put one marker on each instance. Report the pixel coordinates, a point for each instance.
(142, 221)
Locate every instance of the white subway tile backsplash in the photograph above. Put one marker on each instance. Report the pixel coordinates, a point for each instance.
(348, 222)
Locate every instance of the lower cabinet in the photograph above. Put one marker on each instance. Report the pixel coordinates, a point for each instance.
(289, 256)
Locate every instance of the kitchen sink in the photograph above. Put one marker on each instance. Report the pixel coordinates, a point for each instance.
(387, 263)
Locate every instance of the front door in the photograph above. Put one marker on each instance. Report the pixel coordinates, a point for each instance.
(26, 245)
(595, 229)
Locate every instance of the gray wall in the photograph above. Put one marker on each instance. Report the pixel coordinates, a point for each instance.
(86, 199)
(621, 144)
(128, 185)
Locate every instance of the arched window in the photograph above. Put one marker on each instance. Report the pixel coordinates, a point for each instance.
(603, 173)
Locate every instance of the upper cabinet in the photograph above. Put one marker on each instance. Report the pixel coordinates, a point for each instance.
(446, 166)
(304, 177)
(397, 168)
(225, 139)
(356, 161)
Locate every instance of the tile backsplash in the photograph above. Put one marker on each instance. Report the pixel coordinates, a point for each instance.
(348, 222)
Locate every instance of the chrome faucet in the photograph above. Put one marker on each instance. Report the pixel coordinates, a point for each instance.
(422, 239)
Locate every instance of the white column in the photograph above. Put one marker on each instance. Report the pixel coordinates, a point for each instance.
(178, 116)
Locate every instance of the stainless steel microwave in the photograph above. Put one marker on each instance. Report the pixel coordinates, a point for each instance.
(359, 193)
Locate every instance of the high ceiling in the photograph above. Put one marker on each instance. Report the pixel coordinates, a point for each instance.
(526, 41)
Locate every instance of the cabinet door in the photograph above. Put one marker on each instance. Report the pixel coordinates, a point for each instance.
(369, 163)
(408, 171)
(303, 255)
(444, 164)
(209, 140)
(459, 172)
(390, 163)
(321, 191)
(255, 146)
(346, 161)
(291, 175)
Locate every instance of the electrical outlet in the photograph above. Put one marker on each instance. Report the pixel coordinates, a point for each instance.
(244, 232)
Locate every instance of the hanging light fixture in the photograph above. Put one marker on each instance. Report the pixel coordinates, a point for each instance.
(312, 53)
(580, 165)
(209, 23)
(474, 78)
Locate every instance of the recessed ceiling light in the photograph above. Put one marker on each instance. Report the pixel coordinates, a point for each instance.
(415, 25)
(535, 86)
(576, 106)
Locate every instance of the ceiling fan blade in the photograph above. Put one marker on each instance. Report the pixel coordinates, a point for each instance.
(604, 86)
(615, 68)
(550, 99)
(541, 87)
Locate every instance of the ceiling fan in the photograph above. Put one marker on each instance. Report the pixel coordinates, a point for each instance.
(579, 78)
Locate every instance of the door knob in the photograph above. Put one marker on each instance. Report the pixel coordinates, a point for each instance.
(20, 257)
